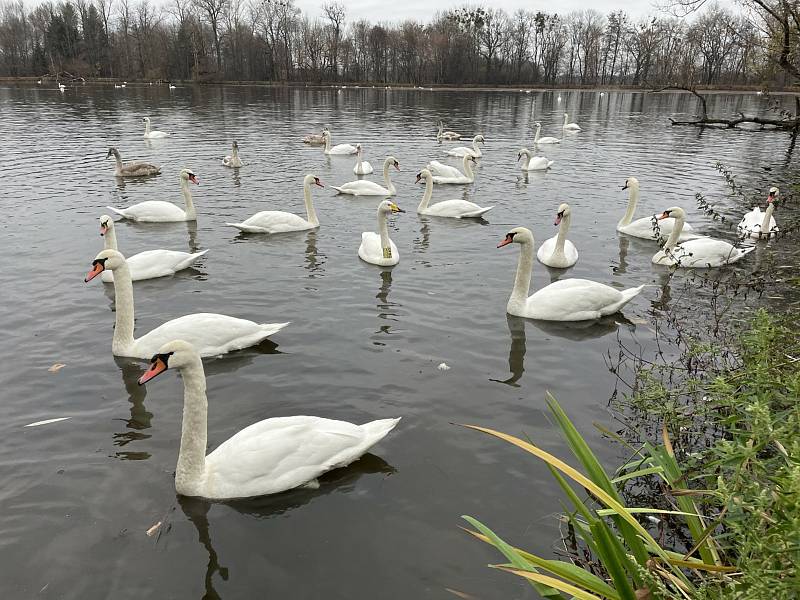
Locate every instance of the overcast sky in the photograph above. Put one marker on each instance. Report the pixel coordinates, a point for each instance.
(423, 10)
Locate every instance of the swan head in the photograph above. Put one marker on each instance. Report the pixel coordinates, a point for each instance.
(145, 119)
(563, 211)
(424, 174)
(675, 212)
(391, 160)
(518, 235)
(773, 194)
(106, 224)
(311, 179)
(172, 355)
(523, 152)
(235, 145)
(631, 183)
(479, 138)
(112, 152)
(188, 175)
(107, 260)
(389, 207)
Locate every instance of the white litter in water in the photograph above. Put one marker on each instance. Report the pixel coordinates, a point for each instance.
(47, 422)
(443, 367)
(653, 519)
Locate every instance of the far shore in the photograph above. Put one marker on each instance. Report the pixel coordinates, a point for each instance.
(399, 86)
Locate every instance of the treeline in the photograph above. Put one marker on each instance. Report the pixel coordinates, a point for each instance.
(271, 40)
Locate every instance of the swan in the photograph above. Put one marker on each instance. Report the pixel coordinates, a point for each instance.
(363, 187)
(362, 166)
(172, 87)
(558, 251)
(648, 228)
(533, 163)
(570, 126)
(315, 139)
(211, 334)
(446, 174)
(158, 211)
(152, 135)
(446, 135)
(697, 253)
(377, 248)
(340, 149)
(758, 225)
(543, 140)
(132, 169)
(148, 264)
(61, 87)
(274, 221)
(233, 161)
(564, 300)
(466, 150)
(271, 456)
(458, 209)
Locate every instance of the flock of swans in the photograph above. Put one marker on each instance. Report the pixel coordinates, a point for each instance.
(278, 454)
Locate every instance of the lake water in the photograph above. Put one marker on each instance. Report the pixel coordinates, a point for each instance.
(364, 343)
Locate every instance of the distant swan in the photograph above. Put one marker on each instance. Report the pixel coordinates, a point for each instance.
(758, 225)
(378, 248)
(446, 174)
(233, 161)
(466, 150)
(212, 334)
(558, 251)
(132, 169)
(152, 135)
(340, 149)
(544, 140)
(362, 187)
(570, 126)
(267, 457)
(315, 139)
(457, 209)
(697, 253)
(158, 211)
(362, 166)
(648, 228)
(533, 163)
(274, 221)
(446, 135)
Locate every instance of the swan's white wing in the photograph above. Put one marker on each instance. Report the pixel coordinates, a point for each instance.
(707, 252)
(152, 211)
(156, 263)
(442, 170)
(461, 151)
(273, 221)
(343, 149)
(456, 208)
(371, 250)
(644, 228)
(575, 300)
(362, 188)
(539, 163)
(211, 334)
(286, 452)
(548, 247)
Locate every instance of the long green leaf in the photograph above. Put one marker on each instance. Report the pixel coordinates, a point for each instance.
(639, 473)
(553, 582)
(614, 559)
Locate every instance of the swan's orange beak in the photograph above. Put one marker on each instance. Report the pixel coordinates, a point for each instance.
(318, 182)
(97, 268)
(662, 216)
(558, 219)
(194, 179)
(157, 366)
(505, 242)
(103, 229)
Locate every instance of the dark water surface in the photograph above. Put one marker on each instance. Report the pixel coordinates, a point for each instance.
(364, 343)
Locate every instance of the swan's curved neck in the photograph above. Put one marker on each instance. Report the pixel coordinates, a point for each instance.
(538, 131)
(118, 160)
(388, 178)
(110, 239)
(146, 128)
(765, 228)
(566, 119)
(522, 282)
(358, 161)
(312, 214)
(633, 200)
(563, 228)
(190, 472)
(327, 143)
(475, 146)
(235, 153)
(426, 197)
(123, 307)
(672, 241)
(440, 132)
(468, 167)
(191, 214)
(383, 231)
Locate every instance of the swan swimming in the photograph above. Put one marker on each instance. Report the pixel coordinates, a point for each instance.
(533, 163)
(340, 149)
(457, 209)
(558, 252)
(648, 228)
(758, 225)
(274, 221)
(443, 173)
(461, 151)
(233, 161)
(378, 248)
(362, 187)
(152, 135)
(132, 169)
(570, 126)
(543, 140)
(362, 166)
(158, 211)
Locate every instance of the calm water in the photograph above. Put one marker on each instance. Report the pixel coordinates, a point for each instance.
(364, 343)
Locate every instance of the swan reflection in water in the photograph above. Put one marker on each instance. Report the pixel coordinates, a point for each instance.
(384, 306)
(140, 418)
(314, 261)
(265, 507)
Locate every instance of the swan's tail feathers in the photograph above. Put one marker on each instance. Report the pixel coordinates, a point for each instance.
(630, 294)
(189, 260)
(338, 189)
(375, 431)
(271, 328)
(550, 163)
(745, 251)
(477, 213)
(120, 212)
(247, 228)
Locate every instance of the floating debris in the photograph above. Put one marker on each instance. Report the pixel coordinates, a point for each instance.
(443, 367)
(47, 422)
(152, 531)
(56, 367)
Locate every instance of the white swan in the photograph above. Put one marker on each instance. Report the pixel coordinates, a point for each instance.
(132, 169)
(543, 140)
(758, 225)
(564, 300)
(158, 211)
(466, 150)
(340, 149)
(362, 166)
(377, 248)
(211, 334)
(446, 135)
(558, 251)
(271, 456)
(275, 221)
(457, 209)
(152, 135)
(443, 173)
(233, 161)
(533, 163)
(362, 187)
(148, 264)
(570, 126)
(172, 87)
(697, 253)
(648, 228)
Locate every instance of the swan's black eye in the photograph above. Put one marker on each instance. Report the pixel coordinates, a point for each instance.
(667, 212)
(162, 357)
(561, 214)
(510, 235)
(99, 261)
